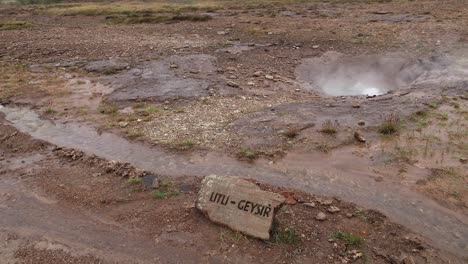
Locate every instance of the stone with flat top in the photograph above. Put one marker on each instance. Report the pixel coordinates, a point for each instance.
(238, 204)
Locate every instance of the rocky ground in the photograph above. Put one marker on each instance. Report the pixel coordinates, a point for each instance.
(177, 90)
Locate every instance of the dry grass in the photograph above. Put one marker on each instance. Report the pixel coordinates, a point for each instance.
(12, 25)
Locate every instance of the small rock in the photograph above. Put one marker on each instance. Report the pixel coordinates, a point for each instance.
(463, 160)
(155, 184)
(194, 71)
(321, 216)
(333, 209)
(123, 124)
(257, 74)
(251, 84)
(349, 215)
(326, 202)
(232, 77)
(233, 84)
(315, 46)
(269, 77)
(310, 204)
(361, 122)
(359, 137)
(356, 106)
(290, 200)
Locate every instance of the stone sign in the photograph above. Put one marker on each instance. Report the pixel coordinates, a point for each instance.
(238, 204)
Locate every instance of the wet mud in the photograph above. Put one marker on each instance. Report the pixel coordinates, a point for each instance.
(325, 174)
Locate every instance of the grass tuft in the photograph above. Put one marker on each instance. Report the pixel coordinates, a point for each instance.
(291, 133)
(287, 236)
(349, 238)
(247, 154)
(135, 180)
(14, 25)
(390, 126)
(329, 128)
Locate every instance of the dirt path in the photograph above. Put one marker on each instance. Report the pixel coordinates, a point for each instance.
(400, 204)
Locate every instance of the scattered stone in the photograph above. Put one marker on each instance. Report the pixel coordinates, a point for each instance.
(105, 67)
(123, 124)
(251, 84)
(315, 46)
(155, 184)
(310, 204)
(232, 77)
(359, 137)
(361, 122)
(321, 216)
(349, 215)
(333, 209)
(269, 77)
(173, 66)
(356, 106)
(238, 204)
(290, 200)
(326, 202)
(233, 84)
(194, 71)
(258, 74)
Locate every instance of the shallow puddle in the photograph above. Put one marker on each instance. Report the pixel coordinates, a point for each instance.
(348, 177)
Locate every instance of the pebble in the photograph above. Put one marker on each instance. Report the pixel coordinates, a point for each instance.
(269, 77)
(359, 137)
(333, 209)
(123, 124)
(310, 204)
(155, 184)
(326, 202)
(233, 84)
(356, 106)
(315, 46)
(251, 84)
(321, 216)
(361, 122)
(349, 215)
(257, 74)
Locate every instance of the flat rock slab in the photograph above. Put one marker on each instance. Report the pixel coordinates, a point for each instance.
(238, 204)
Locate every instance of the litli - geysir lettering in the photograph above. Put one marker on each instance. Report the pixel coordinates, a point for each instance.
(244, 205)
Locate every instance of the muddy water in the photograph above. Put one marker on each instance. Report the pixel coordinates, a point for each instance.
(31, 216)
(325, 175)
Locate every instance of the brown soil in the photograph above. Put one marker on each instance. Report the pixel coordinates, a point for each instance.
(245, 84)
(98, 194)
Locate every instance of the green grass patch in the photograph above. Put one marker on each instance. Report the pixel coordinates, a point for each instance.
(287, 236)
(12, 25)
(132, 133)
(107, 109)
(135, 181)
(167, 189)
(390, 126)
(247, 154)
(50, 111)
(349, 238)
(184, 145)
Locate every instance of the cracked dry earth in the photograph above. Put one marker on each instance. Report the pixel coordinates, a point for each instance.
(365, 102)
